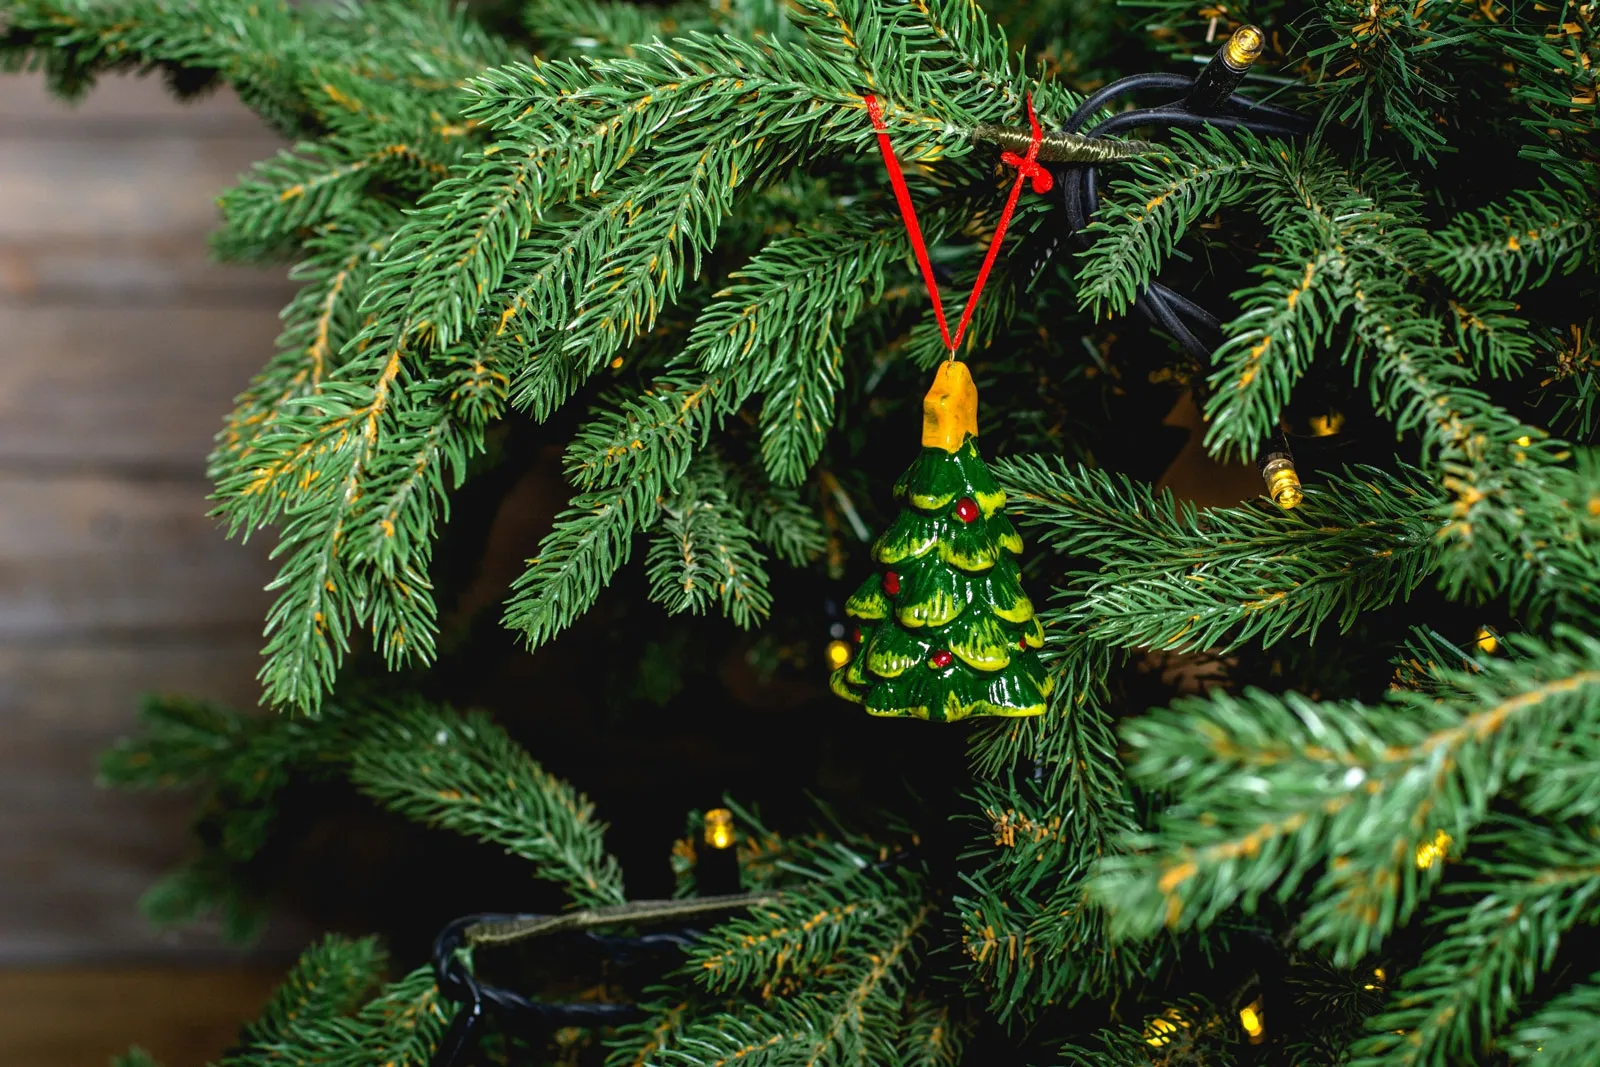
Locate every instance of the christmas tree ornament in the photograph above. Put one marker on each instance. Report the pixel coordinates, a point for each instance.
(945, 631)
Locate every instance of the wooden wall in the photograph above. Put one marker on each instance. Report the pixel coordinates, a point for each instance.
(120, 349)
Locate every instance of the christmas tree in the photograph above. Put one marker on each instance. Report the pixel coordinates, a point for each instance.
(1313, 778)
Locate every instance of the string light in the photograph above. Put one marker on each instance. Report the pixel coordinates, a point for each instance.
(1250, 1017)
(1487, 640)
(838, 654)
(1431, 852)
(1379, 978)
(1277, 469)
(719, 828)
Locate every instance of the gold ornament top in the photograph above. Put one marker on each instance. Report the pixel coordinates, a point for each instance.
(950, 410)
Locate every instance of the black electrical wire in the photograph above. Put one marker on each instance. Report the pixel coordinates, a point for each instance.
(1195, 329)
(476, 1000)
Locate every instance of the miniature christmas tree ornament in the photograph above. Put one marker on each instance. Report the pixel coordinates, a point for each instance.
(945, 631)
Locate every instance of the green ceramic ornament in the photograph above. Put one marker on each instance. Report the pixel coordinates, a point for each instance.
(945, 631)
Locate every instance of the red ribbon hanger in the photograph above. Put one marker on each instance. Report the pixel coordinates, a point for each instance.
(1027, 167)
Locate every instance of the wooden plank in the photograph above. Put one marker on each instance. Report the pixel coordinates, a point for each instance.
(164, 183)
(122, 105)
(128, 387)
(89, 554)
(124, 349)
(94, 686)
(74, 858)
(103, 271)
(81, 1017)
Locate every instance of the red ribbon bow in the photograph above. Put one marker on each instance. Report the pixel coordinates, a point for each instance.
(1028, 167)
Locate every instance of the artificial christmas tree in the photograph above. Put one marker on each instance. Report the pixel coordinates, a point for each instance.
(1282, 805)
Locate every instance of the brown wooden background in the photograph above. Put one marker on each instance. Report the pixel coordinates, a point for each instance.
(122, 347)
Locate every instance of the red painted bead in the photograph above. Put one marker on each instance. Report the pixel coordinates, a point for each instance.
(1022, 642)
(966, 509)
(855, 635)
(891, 583)
(940, 658)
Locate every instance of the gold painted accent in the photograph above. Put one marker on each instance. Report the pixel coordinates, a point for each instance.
(838, 654)
(1431, 852)
(1164, 1027)
(1326, 425)
(719, 828)
(1283, 483)
(1487, 640)
(950, 409)
(1244, 47)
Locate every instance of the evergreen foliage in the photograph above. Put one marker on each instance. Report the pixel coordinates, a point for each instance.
(1310, 786)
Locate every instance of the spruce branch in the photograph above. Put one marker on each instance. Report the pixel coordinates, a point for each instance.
(1519, 243)
(329, 980)
(401, 1026)
(702, 553)
(931, 1037)
(1558, 71)
(1026, 907)
(320, 318)
(591, 540)
(1395, 72)
(1288, 784)
(1497, 343)
(778, 515)
(1331, 264)
(463, 773)
(74, 41)
(851, 1013)
(1538, 882)
(1576, 373)
(604, 28)
(1177, 578)
(1148, 212)
(796, 933)
(1564, 1032)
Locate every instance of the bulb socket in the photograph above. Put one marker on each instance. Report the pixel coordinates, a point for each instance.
(1226, 69)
